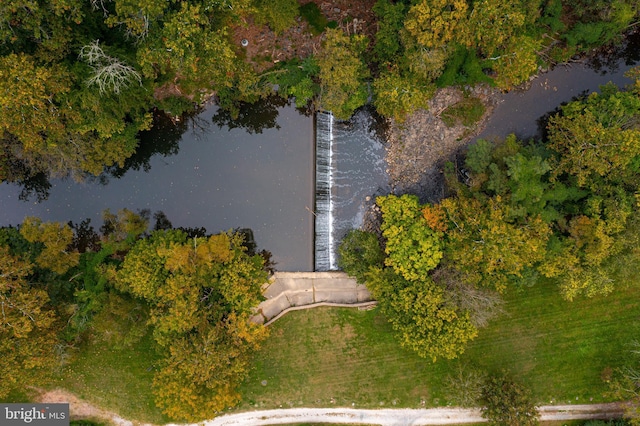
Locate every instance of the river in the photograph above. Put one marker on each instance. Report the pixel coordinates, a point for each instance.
(522, 112)
(258, 171)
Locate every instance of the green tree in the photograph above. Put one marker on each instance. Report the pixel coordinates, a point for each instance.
(421, 315)
(508, 403)
(486, 247)
(44, 28)
(358, 252)
(413, 248)
(342, 73)
(578, 258)
(390, 22)
(597, 136)
(190, 48)
(517, 62)
(597, 22)
(424, 65)
(278, 14)
(397, 96)
(297, 79)
(120, 322)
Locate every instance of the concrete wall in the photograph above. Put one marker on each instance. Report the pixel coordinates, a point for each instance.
(288, 290)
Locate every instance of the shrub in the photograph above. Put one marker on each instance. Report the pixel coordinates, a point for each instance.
(466, 112)
(314, 17)
(358, 252)
(278, 14)
(506, 402)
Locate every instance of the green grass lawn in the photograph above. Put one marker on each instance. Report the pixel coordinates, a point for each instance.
(325, 357)
(115, 380)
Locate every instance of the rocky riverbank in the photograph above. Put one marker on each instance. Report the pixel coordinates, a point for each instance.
(418, 148)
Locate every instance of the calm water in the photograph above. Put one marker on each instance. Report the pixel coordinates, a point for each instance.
(522, 112)
(219, 178)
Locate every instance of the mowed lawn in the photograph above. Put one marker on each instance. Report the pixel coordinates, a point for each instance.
(346, 357)
(117, 380)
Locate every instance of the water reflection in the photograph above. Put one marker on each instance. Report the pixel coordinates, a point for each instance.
(35, 187)
(609, 59)
(163, 139)
(254, 118)
(200, 176)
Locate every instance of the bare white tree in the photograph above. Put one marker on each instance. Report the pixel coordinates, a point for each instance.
(99, 5)
(111, 75)
(481, 303)
(463, 386)
(143, 28)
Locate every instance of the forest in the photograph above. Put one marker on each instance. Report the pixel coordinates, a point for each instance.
(80, 79)
(66, 286)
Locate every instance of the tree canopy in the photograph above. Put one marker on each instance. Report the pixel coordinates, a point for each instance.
(28, 328)
(342, 73)
(200, 292)
(518, 213)
(78, 79)
(64, 287)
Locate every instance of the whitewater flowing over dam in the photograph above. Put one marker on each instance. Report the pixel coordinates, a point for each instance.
(324, 253)
(350, 172)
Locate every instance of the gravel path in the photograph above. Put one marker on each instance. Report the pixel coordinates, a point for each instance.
(404, 417)
(385, 417)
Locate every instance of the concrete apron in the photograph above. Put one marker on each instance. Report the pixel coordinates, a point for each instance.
(287, 290)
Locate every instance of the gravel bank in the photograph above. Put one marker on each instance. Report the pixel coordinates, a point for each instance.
(418, 148)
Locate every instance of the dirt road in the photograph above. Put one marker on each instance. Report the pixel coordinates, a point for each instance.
(387, 417)
(403, 417)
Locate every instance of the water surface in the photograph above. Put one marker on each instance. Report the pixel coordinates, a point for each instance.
(220, 178)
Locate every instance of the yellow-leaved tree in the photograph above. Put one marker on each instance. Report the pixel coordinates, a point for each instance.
(342, 73)
(436, 23)
(56, 239)
(201, 292)
(27, 326)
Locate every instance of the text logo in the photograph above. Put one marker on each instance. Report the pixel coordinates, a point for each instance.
(34, 414)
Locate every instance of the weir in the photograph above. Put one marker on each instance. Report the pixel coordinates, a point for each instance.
(323, 214)
(350, 172)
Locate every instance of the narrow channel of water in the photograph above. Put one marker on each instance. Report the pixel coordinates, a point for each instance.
(522, 112)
